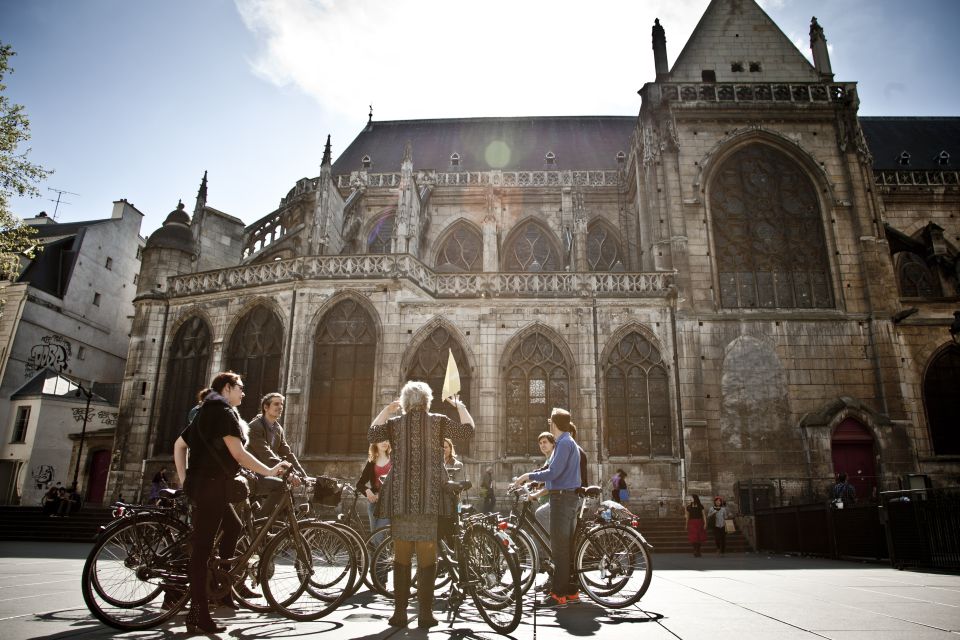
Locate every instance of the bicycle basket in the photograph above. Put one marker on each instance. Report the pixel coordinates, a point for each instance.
(327, 492)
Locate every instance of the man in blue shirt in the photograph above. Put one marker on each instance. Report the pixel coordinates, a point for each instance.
(562, 477)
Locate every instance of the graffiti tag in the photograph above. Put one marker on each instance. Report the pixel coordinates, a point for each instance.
(54, 352)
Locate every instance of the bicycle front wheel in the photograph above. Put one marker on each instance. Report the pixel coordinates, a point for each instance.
(528, 556)
(492, 575)
(614, 566)
(307, 576)
(135, 575)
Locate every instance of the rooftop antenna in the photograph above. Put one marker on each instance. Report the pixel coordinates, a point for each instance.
(59, 193)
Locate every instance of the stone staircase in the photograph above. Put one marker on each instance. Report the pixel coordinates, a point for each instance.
(30, 523)
(669, 535)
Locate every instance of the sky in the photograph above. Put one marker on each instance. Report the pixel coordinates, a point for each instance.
(136, 100)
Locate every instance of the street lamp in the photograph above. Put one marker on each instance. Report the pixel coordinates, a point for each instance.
(955, 328)
(83, 431)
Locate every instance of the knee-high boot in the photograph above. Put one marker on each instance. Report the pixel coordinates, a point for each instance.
(426, 577)
(401, 594)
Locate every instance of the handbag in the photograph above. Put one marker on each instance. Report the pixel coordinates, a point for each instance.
(624, 495)
(729, 526)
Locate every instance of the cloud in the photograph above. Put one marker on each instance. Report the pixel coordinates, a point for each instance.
(433, 58)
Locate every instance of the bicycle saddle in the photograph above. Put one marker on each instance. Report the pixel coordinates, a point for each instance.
(454, 486)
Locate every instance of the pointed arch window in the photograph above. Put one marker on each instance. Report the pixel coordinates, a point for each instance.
(915, 277)
(637, 400)
(429, 364)
(341, 385)
(537, 380)
(770, 245)
(461, 249)
(380, 237)
(603, 247)
(532, 248)
(187, 373)
(942, 401)
(255, 351)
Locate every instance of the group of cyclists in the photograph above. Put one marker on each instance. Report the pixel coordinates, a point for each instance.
(411, 460)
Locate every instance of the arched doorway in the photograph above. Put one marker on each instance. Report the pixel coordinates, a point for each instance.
(97, 478)
(852, 451)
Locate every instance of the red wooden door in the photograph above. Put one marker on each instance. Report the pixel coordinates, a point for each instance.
(852, 449)
(97, 480)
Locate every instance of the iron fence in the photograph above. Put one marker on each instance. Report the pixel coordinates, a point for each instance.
(755, 494)
(821, 530)
(923, 527)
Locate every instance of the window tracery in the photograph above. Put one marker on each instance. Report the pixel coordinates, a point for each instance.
(380, 237)
(770, 245)
(429, 364)
(603, 248)
(255, 352)
(915, 278)
(186, 373)
(537, 380)
(341, 385)
(637, 400)
(461, 250)
(531, 248)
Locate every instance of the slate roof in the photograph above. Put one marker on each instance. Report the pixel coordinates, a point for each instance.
(922, 138)
(578, 142)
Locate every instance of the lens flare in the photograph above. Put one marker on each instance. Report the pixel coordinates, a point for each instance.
(497, 154)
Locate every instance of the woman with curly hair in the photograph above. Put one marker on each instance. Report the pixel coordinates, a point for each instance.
(411, 497)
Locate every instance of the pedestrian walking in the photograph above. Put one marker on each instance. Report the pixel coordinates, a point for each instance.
(411, 496)
(562, 477)
(451, 462)
(696, 524)
(717, 516)
(489, 494)
(618, 487)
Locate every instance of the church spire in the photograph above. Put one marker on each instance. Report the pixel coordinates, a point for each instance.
(821, 56)
(201, 195)
(326, 153)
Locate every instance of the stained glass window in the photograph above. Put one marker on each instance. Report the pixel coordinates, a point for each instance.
(461, 249)
(770, 244)
(429, 364)
(186, 375)
(537, 380)
(637, 400)
(255, 350)
(341, 387)
(531, 247)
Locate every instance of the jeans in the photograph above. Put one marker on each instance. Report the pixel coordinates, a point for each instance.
(375, 522)
(563, 513)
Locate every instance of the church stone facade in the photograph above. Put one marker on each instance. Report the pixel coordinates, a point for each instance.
(734, 293)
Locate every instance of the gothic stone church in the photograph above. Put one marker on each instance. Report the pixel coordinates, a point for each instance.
(747, 286)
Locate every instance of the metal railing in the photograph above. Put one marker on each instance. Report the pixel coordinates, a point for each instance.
(923, 527)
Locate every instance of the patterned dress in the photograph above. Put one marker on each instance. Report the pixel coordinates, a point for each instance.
(411, 495)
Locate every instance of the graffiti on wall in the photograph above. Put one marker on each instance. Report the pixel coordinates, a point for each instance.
(53, 352)
(108, 417)
(43, 475)
(79, 415)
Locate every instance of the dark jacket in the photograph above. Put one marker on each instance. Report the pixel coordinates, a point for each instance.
(269, 446)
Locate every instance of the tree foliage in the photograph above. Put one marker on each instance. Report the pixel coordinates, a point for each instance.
(18, 176)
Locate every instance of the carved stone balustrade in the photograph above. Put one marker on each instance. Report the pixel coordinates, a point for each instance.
(518, 179)
(460, 285)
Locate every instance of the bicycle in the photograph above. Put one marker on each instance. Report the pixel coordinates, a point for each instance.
(145, 552)
(480, 561)
(611, 558)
